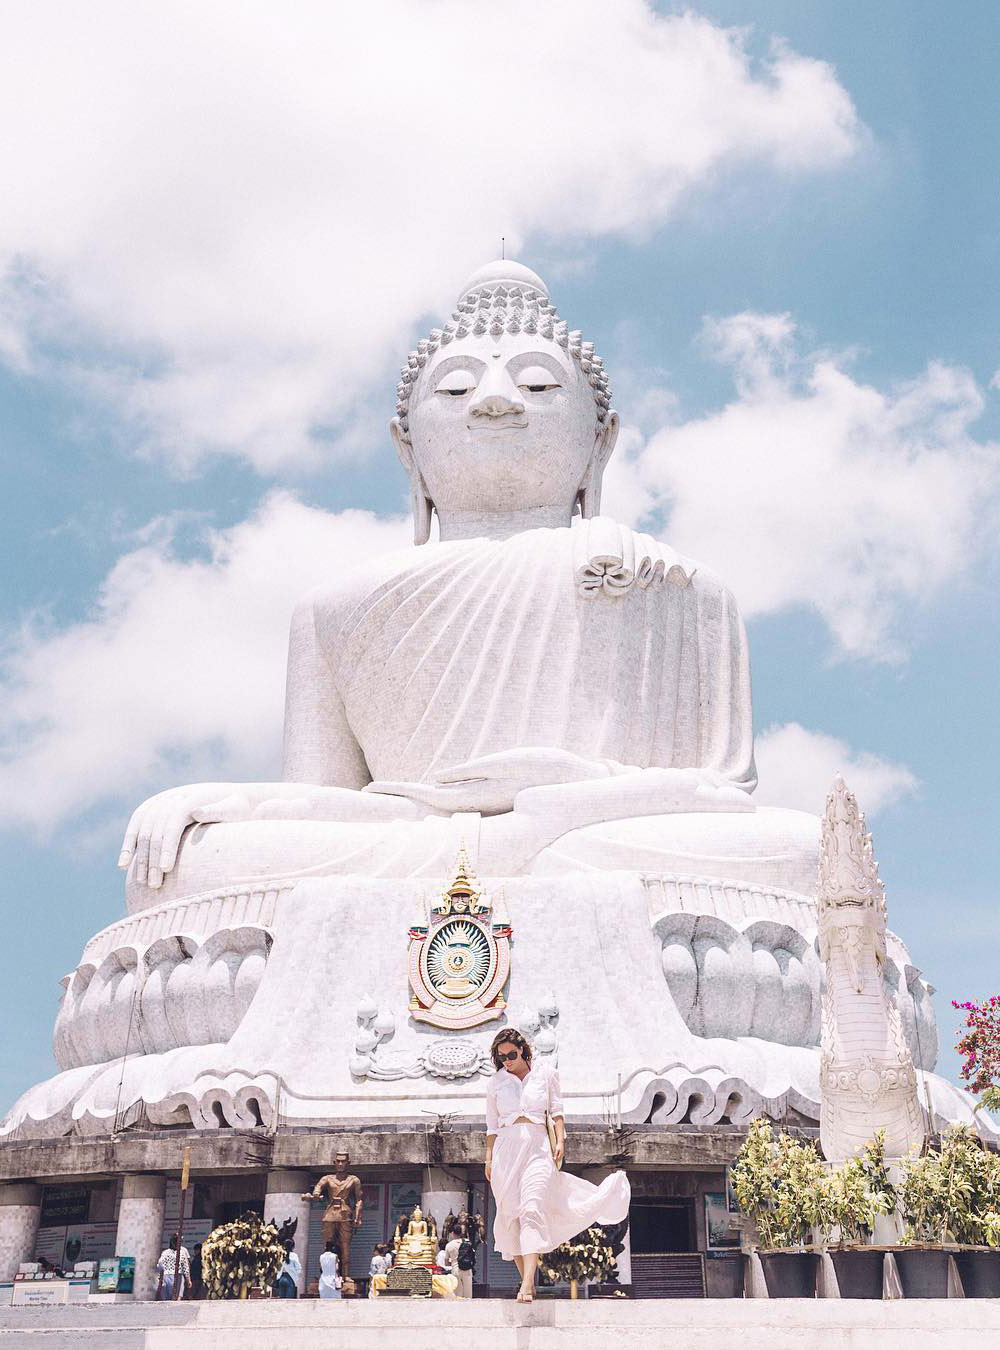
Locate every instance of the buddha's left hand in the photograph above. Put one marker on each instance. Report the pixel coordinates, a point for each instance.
(489, 783)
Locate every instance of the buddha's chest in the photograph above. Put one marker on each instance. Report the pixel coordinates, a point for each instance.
(499, 649)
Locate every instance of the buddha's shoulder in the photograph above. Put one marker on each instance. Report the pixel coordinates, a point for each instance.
(653, 561)
(355, 580)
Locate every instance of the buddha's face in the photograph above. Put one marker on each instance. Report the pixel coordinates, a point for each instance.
(503, 424)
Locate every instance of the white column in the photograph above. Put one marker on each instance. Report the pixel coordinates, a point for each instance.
(284, 1201)
(20, 1208)
(443, 1191)
(140, 1229)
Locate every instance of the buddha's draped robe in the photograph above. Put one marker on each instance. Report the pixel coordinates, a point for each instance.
(465, 648)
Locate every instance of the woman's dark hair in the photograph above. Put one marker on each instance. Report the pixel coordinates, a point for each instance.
(509, 1037)
(288, 1245)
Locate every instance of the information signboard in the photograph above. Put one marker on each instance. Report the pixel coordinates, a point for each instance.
(62, 1205)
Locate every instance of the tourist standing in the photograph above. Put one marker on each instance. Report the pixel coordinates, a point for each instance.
(287, 1284)
(379, 1266)
(197, 1282)
(537, 1206)
(330, 1278)
(167, 1269)
(460, 1256)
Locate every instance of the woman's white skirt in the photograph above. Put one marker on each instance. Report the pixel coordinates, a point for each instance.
(539, 1207)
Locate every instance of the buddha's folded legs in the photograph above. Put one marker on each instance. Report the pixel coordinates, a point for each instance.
(769, 847)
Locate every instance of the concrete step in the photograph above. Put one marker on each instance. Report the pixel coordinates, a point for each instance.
(491, 1324)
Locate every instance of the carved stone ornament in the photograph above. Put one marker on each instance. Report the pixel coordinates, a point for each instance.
(451, 1059)
(459, 957)
(867, 1076)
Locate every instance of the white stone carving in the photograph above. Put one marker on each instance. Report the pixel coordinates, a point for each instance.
(609, 559)
(453, 1058)
(572, 700)
(505, 298)
(617, 1018)
(539, 1021)
(183, 989)
(867, 1076)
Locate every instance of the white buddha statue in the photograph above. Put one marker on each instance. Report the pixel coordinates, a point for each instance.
(579, 686)
(562, 695)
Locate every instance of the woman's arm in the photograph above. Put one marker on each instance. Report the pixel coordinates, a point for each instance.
(558, 1120)
(492, 1124)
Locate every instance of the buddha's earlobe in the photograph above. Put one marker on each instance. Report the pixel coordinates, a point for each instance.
(588, 496)
(420, 502)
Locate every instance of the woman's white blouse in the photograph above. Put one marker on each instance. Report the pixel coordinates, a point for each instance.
(509, 1097)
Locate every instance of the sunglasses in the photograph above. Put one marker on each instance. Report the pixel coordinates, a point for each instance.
(511, 1054)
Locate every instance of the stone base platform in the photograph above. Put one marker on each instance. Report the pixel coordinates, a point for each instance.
(681, 1324)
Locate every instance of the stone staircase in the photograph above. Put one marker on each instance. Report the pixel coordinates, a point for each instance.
(491, 1324)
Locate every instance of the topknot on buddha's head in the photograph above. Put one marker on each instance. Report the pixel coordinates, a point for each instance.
(505, 297)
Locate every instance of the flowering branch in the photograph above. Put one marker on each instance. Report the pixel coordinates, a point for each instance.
(980, 1047)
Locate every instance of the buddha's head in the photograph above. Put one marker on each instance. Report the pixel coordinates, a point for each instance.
(504, 410)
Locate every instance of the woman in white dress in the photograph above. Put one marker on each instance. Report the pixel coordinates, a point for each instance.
(537, 1206)
(329, 1273)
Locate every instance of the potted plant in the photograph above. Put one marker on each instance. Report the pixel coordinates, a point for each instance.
(782, 1186)
(239, 1255)
(860, 1192)
(588, 1256)
(943, 1195)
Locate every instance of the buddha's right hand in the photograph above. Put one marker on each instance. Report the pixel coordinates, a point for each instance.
(154, 832)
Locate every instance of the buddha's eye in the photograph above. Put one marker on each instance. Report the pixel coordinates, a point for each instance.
(537, 380)
(456, 383)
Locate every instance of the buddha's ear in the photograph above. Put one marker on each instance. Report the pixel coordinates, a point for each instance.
(589, 494)
(420, 501)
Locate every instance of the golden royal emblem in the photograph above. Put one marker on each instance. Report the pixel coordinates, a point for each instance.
(459, 955)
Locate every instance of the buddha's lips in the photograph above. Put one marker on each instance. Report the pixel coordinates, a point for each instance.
(496, 426)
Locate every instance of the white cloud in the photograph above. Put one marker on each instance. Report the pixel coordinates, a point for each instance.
(813, 489)
(796, 768)
(178, 673)
(226, 219)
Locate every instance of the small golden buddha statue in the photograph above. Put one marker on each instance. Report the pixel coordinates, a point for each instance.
(418, 1246)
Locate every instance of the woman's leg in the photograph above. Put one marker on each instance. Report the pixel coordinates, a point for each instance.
(529, 1265)
(519, 1262)
(535, 1183)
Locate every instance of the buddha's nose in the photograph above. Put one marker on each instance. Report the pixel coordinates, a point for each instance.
(497, 396)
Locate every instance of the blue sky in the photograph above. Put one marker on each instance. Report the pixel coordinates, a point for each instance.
(784, 246)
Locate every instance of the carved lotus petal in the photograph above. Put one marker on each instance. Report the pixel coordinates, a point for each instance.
(452, 1059)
